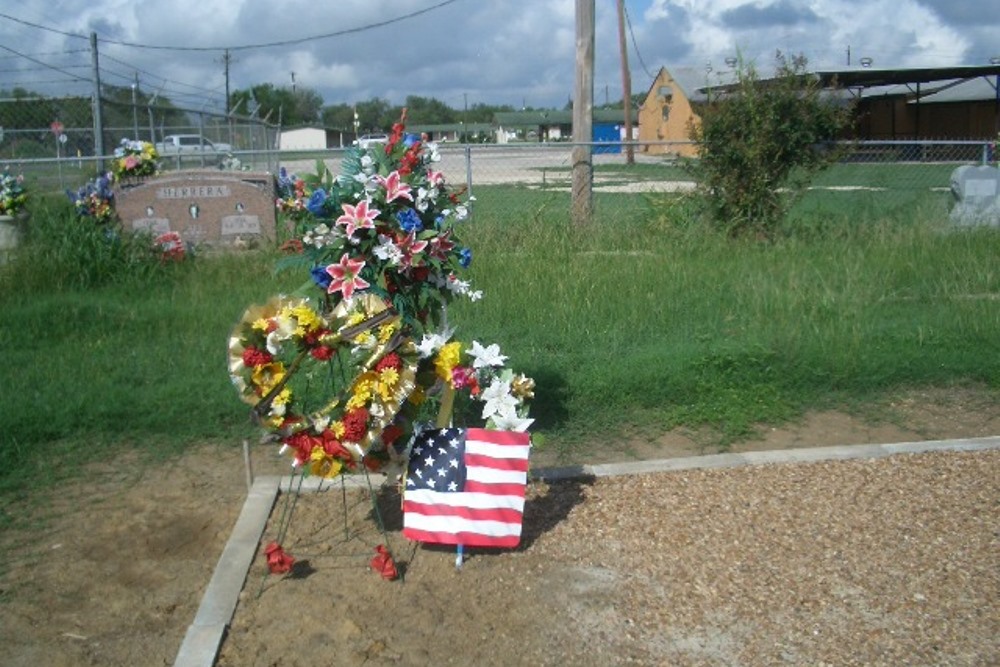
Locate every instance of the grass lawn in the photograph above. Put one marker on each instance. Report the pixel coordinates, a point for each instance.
(642, 321)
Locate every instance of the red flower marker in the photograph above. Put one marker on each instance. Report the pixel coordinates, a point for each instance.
(383, 564)
(278, 562)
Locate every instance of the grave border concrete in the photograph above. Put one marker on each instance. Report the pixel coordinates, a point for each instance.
(205, 635)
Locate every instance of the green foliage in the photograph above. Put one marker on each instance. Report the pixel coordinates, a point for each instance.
(630, 328)
(760, 142)
(290, 107)
(63, 251)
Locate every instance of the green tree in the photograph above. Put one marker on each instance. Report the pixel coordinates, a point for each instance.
(761, 141)
(429, 111)
(300, 106)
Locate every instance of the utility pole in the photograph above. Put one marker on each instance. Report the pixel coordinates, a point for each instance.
(225, 62)
(583, 115)
(98, 120)
(626, 84)
(135, 109)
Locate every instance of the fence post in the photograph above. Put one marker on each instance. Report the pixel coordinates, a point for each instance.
(98, 120)
(468, 168)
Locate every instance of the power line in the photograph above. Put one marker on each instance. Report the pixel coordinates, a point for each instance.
(635, 45)
(287, 42)
(43, 64)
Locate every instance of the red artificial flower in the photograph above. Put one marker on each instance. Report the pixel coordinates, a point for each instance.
(322, 353)
(391, 433)
(333, 448)
(293, 246)
(383, 564)
(391, 360)
(278, 561)
(253, 357)
(303, 443)
(355, 425)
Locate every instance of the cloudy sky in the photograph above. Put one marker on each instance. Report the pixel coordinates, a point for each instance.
(517, 52)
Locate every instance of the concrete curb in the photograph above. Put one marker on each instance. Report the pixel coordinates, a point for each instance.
(806, 455)
(204, 636)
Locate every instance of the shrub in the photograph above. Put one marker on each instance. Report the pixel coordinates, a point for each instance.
(761, 141)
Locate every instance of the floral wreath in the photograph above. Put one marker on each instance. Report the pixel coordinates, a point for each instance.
(346, 369)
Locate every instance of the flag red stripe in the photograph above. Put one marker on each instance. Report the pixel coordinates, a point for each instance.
(496, 514)
(472, 486)
(520, 465)
(498, 437)
(465, 539)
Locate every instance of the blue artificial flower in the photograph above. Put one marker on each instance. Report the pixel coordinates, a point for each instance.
(321, 277)
(409, 220)
(316, 201)
(465, 257)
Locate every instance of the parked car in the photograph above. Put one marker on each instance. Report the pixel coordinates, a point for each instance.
(368, 140)
(193, 146)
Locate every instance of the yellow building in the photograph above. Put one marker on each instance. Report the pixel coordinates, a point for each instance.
(671, 108)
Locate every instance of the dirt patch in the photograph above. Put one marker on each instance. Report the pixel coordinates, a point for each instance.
(110, 569)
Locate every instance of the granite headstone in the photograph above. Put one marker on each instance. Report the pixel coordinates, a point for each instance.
(977, 196)
(217, 209)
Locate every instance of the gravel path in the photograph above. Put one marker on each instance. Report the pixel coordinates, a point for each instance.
(892, 561)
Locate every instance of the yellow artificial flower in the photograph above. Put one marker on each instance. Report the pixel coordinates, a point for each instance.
(386, 331)
(388, 376)
(268, 375)
(322, 465)
(262, 323)
(363, 389)
(308, 319)
(283, 397)
(337, 428)
(447, 359)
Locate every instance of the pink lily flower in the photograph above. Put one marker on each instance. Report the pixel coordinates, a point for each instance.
(435, 178)
(395, 188)
(410, 246)
(441, 246)
(346, 279)
(358, 217)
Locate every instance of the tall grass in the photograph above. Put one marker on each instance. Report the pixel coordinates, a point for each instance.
(643, 323)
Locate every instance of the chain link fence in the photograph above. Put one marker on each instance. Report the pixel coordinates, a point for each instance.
(56, 144)
(52, 141)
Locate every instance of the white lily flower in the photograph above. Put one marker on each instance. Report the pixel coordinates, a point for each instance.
(508, 420)
(497, 399)
(486, 356)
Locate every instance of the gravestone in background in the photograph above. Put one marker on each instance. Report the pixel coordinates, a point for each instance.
(218, 209)
(977, 196)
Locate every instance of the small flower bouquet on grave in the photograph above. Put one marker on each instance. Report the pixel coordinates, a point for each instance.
(95, 201)
(13, 195)
(134, 158)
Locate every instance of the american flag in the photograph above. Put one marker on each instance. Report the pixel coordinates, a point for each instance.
(466, 486)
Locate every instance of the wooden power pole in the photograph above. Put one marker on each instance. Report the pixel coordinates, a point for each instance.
(583, 115)
(626, 84)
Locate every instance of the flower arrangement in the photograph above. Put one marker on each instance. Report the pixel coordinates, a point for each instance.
(134, 158)
(95, 200)
(13, 196)
(343, 371)
(170, 246)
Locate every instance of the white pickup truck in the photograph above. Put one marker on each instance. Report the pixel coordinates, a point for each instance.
(193, 145)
